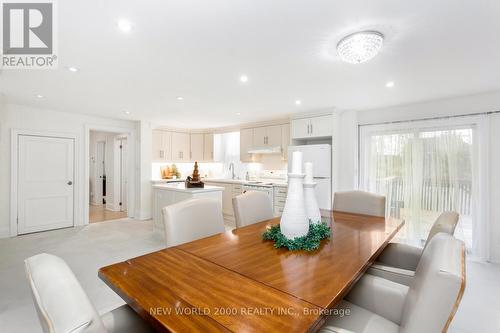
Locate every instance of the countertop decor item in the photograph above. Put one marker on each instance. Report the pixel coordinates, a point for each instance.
(170, 172)
(195, 180)
(312, 208)
(294, 222)
(309, 242)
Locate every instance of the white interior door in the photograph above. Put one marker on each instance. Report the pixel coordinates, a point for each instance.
(45, 183)
(100, 166)
(123, 175)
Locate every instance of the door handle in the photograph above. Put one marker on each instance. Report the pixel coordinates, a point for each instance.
(71, 183)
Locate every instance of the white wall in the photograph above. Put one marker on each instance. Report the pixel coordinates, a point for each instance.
(143, 163)
(27, 118)
(348, 122)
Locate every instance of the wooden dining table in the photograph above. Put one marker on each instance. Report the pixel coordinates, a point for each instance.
(237, 282)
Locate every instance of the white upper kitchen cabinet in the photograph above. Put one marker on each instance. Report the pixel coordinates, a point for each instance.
(208, 147)
(180, 146)
(313, 127)
(197, 147)
(300, 128)
(161, 150)
(322, 126)
(267, 136)
(285, 140)
(273, 136)
(246, 143)
(259, 136)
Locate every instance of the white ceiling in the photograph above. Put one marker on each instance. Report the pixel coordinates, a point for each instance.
(198, 49)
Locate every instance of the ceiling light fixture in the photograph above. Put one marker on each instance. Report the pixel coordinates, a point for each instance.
(40, 96)
(244, 78)
(389, 84)
(360, 46)
(124, 25)
(126, 112)
(180, 98)
(72, 69)
(298, 102)
(238, 114)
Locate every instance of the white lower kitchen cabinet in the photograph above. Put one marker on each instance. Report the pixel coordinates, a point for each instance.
(168, 194)
(279, 199)
(230, 191)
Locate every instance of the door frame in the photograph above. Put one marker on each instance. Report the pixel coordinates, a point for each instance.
(14, 158)
(130, 134)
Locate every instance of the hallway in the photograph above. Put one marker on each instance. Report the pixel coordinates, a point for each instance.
(100, 214)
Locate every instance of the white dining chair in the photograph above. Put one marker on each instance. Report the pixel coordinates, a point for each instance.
(63, 307)
(398, 262)
(252, 207)
(378, 305)
(359, 202)
(192, 219)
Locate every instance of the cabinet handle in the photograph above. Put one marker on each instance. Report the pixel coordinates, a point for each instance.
(311, 128)
(190, 155)
(162, 154)
(307, 128)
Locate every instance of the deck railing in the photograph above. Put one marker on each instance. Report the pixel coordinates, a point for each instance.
(434, 196)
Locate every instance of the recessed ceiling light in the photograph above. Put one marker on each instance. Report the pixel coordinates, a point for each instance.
(126, 112)
(298, 102)
(124, 25)
(360, 46)
(180, 98)
(244, 78)
(238, 113)
(389, 84)
(72, 69)
(40, 96)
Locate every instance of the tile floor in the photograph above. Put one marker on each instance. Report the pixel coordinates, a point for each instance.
(86, 249)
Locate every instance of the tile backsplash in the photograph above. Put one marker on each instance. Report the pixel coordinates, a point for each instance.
(221, 170)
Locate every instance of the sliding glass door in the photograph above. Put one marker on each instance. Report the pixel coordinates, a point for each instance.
(423, 169)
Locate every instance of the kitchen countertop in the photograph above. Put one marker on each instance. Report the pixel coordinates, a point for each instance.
(273, 182)
(167, 181)
(181, 187)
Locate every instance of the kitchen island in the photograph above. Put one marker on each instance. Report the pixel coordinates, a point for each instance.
(168, 194)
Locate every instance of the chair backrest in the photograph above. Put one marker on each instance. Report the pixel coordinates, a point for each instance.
(192, 219)
(252, 207)
(437, 287)
(61, 303)
(446, 222)
(359, 202)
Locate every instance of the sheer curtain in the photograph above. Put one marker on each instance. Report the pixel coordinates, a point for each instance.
(425, 168)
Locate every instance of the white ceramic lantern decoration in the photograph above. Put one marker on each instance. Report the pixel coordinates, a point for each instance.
(294, 222)
(312, 208)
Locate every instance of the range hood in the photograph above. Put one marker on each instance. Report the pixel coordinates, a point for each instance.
(265, 150)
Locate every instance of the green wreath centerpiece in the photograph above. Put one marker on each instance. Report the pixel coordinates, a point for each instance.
(309, 242)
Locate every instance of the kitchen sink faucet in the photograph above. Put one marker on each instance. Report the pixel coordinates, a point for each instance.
(231, 168)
